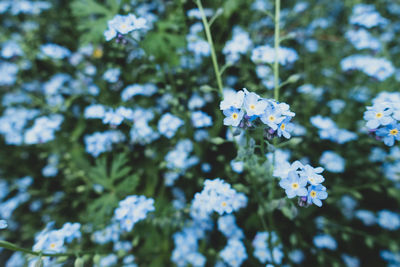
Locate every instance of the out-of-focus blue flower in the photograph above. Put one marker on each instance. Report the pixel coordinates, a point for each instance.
(367, 16)
(132, 210)
(8, 73)
(234, 254)
(262, 249)
(11, 49)
(237, 166)
(124, 25)
(130, 91)
(379, 68)
(336, 105)
(217, 196)
(169, 124)
(51, 170)
(350, 261)
(297, 256)
(112, 75)
(98, 142)
(238, 45)
(392, 258)
(366, 216)
(362, 39)
(94, 112)
(332, 161)
(43, 129)
(325, 241)
(266, 54)
(109, 260)
(16, 259)
(201, 119)
(329, 130)
(227, 225)
(54, 51)
(389, 220)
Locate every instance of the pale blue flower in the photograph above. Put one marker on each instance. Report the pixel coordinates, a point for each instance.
(233, 116)
(294, 185)
(325, 241)
(169, 124)
(316, 193)
(132, 210)
(332, 161)
(201, 119)
(232, 99)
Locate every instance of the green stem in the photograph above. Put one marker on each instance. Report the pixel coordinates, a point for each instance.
(210, 42)
(276, 44)
(11, 246)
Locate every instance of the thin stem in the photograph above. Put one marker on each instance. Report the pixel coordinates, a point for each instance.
(210, 42)
(276, 44)
(11, 246)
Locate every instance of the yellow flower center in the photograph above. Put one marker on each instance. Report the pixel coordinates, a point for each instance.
(379, 115)
(252, 106)
(313, 193)
(98, 53)
(295, 185)
(271, 118)
(52, 245)
(235, 116)
(128, 221)
(394, 132)
(311, 180)
(283, 126)
(223, 204)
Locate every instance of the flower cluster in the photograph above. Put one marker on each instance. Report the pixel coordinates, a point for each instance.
(244, 109)
(123, 25)
(133, 209)
(53, 241)
(263, 252)
(296, 177)
(383, 119)
(217, 196)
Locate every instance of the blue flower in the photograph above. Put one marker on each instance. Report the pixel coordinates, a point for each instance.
(201, 119)
(294, 185)
(316, 193)
(132, 210)
(377, 115)
(112, 75)
(389, 133)
(285, 128)
(233, 116)
(169, 124)
(389, 220)
(325, 241)
(123, 25)
(234, 253)
(272, 117)
(232, 99)
(254, 105)
(332, 161)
